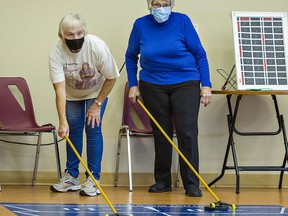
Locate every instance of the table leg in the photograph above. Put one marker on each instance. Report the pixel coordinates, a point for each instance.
(231, 119)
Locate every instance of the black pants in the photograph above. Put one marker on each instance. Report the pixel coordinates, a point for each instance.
(181, 102)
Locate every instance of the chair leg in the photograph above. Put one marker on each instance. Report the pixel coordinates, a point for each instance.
(58, 163)
(36, 159)
(177, 180)
(129, 159)
(116, 175)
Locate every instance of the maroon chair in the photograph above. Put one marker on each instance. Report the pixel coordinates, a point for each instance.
(17, 117)
(135, 123)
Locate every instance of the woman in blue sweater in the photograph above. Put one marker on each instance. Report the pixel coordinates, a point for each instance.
(174, 79)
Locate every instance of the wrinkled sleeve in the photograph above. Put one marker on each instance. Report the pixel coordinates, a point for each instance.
(106, 62)
(194, 45)
(55, 67)
(132, 56)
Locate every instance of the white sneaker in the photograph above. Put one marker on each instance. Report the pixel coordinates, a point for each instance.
(89, 189)
(66, 183)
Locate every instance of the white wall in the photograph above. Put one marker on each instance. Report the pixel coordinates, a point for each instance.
(29, 31)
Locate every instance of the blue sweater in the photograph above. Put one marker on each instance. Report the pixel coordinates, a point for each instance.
(170, 52)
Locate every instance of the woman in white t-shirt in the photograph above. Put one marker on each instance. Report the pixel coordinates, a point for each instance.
(83, 73)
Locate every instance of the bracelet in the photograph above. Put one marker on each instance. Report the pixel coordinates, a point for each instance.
(98, 102)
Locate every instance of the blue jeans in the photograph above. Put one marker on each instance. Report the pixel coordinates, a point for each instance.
(76, 117)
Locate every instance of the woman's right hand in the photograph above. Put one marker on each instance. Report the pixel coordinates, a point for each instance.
(63, 129)
(133, 93)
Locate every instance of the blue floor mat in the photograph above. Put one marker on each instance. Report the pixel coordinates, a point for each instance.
(24, 209)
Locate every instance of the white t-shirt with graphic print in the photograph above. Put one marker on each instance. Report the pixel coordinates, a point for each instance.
(84, 72)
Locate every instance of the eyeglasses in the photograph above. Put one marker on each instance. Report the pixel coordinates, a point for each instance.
(158, 5)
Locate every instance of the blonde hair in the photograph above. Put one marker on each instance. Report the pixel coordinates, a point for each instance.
(150, 2)
(71, 21)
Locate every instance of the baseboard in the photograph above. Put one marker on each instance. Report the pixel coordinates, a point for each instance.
(146, 179)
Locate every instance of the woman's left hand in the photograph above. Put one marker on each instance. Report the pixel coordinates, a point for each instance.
(93, 115)
(206, 96)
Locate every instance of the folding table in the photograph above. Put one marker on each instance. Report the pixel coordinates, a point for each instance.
(231, 119)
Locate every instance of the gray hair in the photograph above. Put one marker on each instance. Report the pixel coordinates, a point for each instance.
(71, 21)
(150, 2)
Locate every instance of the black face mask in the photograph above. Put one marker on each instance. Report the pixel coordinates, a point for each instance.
(75, 44)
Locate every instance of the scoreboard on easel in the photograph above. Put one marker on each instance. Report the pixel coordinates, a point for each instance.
(261, 50)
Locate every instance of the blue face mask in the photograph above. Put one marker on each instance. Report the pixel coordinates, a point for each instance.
(161, 14)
